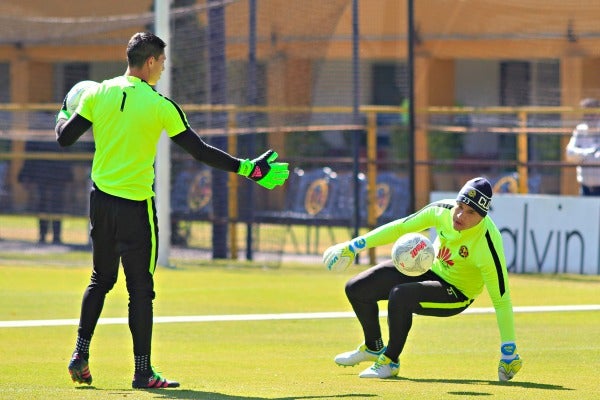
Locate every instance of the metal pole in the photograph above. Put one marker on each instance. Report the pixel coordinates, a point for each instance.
(218, 90)
(411, 106)
(355, 114)
(163, 155)
(252, 100)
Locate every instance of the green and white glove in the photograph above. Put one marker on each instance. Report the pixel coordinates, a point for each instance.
(264, 171)
(510, 362)
(341, 256)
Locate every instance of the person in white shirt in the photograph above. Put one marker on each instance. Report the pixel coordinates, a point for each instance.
(584, 148)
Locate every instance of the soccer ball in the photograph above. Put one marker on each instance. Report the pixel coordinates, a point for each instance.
(413, 254)
(74, 95)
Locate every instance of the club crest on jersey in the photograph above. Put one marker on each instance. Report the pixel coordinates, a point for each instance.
(463, 251)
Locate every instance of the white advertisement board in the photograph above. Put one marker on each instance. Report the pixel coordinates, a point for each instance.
(549, 234)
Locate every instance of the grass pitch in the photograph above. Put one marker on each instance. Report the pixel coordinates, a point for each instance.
(445, 358)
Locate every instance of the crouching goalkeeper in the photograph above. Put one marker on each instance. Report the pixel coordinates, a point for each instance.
(470, 256)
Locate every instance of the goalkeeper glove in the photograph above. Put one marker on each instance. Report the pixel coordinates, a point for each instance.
(510, 363)
(264, 171)
(340, 256)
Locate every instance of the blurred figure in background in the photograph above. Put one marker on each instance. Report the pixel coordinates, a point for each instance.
(46, 179)
(583, 148)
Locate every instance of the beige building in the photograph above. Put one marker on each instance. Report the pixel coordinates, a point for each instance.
(468, 52)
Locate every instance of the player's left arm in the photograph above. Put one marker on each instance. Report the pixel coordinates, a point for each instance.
(495, 276)
(205, 153)
(263, 170)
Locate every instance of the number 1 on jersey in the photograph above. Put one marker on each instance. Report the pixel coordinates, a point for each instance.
(123, 101)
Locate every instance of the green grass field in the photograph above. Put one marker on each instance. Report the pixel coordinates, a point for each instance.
(445, 358)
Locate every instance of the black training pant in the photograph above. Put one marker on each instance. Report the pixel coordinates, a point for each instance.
(427, 294)
(123, 231)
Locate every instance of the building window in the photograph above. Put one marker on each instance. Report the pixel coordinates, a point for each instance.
(388, 83)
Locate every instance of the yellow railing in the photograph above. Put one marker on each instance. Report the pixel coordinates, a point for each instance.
(277, 125)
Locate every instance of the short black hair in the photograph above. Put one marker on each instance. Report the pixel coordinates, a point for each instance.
(143, 45)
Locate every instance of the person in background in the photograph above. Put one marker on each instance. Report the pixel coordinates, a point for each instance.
(46, 179)
(128, 117)
(470, 256)
(584, 149)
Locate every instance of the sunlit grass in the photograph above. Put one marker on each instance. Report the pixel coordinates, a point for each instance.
(445, 358)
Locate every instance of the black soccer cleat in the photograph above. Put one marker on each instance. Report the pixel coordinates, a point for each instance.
(79, 369)
(151, 380)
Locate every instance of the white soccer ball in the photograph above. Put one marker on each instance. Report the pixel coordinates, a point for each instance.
(413, 254)
(74, 95)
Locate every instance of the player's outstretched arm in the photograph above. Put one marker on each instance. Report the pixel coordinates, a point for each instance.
(264, 170)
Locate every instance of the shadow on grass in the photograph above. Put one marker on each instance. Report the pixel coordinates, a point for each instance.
(527, 385)
(200, 395)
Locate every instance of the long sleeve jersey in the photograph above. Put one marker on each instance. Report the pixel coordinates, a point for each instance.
(128, 118)
(468, 259)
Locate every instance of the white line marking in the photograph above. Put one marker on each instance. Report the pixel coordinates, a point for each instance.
(284, 316)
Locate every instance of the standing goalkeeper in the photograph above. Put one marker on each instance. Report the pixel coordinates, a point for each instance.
(470, 257)
(128, 117)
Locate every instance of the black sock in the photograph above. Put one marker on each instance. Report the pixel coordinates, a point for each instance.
(82, 346)
(374, 345)
(142, 363)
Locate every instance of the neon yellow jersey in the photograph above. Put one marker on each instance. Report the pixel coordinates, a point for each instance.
(467, 259)
(128, 117)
